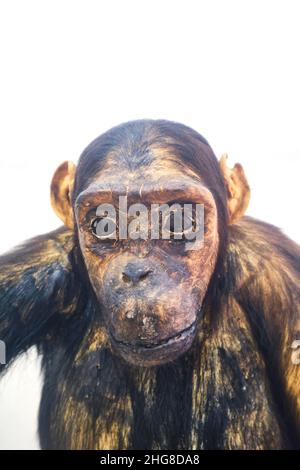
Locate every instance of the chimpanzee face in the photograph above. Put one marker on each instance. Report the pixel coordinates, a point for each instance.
(150, 291)
(151, 287)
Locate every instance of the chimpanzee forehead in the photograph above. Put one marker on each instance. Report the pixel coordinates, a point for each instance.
(146, 151)
(164, 188)
(154, 163)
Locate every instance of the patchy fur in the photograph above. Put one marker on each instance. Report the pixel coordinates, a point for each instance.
(236, 388)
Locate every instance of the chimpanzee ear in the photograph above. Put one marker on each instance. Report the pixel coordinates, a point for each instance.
(238, 189)
(61, 192)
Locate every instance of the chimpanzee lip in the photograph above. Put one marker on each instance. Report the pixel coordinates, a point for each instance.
(178, 337)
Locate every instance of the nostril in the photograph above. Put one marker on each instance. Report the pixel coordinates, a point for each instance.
(126, 278)
(135, 275)
(144, 275)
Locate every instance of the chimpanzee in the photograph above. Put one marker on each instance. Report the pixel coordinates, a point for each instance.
(146, 344)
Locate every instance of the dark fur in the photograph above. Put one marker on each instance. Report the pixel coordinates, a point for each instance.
(234, 389)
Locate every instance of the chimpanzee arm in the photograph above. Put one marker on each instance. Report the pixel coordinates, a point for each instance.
(267, 266)
(37, 282)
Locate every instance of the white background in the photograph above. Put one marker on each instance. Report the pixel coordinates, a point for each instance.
(72, 69)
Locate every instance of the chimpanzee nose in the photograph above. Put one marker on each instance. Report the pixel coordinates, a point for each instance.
(134, 272)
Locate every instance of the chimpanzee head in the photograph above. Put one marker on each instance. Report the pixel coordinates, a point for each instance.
(138, 179)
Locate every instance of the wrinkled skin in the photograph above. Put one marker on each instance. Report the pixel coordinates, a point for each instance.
(150, 291)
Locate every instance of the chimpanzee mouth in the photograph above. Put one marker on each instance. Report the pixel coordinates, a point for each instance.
(182, 336)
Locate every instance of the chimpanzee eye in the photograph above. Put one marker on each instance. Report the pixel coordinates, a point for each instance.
(104, 228)
(94, 225)
(177, 224)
